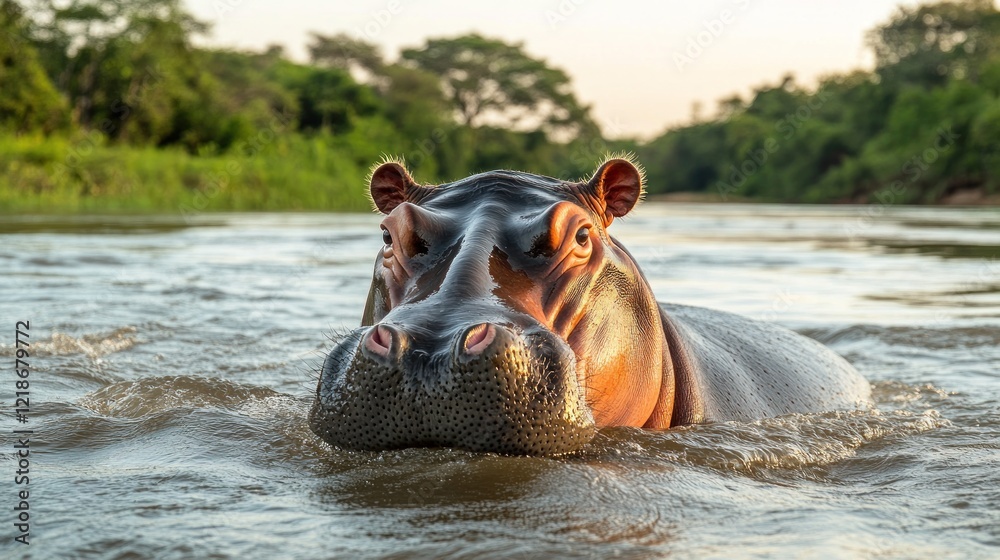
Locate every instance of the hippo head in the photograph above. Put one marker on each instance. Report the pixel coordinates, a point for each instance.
(502, 317)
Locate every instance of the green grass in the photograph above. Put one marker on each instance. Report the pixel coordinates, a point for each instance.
(84, 174)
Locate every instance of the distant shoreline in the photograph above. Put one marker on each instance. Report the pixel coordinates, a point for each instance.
(967, 197)
(118, 209)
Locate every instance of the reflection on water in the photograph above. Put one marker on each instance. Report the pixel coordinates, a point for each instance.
(174, 361)
(947, 250)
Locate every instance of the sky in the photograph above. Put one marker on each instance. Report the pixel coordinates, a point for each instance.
(641, 65)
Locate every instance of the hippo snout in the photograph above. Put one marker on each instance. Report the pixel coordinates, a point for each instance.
(487, 387)
(388, 343)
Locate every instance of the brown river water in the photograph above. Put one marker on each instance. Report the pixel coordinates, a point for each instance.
(173, 359)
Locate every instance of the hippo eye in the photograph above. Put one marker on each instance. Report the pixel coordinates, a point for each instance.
(583, 236)
(386, 237)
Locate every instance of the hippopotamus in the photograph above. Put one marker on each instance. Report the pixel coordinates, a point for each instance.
(503, 317)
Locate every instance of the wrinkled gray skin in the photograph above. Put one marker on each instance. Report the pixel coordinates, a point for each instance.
(472, 254)
(735, 368)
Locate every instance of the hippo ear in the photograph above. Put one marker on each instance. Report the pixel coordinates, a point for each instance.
(391, 185)
(619, 183)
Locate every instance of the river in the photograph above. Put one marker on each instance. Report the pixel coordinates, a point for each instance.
(173, 360)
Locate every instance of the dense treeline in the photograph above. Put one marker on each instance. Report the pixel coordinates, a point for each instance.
(922, 127)
(110, 105)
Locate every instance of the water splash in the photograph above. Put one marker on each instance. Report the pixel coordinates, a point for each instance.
(150, 395)
(795, 442)
(94, 346)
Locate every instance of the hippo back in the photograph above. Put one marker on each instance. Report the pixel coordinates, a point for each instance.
(736, 368)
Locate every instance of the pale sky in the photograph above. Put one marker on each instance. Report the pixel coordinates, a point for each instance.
(624, 57)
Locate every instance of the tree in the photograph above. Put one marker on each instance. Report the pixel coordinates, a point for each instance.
(329, 99)
(98, 52)
(411, 98)
(492, 82)
(344, 52)
(928, 44)
(129, 71)
(29, 100)
(686, 159)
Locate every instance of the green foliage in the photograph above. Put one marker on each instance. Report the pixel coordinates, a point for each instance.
(110, 106)
(932, 43)
(327, 98)
(343, 51)
(920, 127)
(29, 100)
(492, 82)
(150, 121)
(72, 175)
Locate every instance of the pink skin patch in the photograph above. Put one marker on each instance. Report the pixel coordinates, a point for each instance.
(479, 338)
(379, 340)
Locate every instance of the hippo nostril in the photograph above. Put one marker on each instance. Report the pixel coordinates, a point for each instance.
(479, 338)
(379, 340)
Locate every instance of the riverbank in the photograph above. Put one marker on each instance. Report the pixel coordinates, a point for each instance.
(967, 197)
(84, 175)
